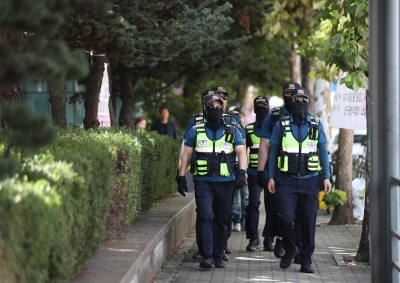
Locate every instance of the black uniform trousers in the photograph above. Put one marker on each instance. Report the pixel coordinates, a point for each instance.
(252, 209)
(297, 198)
(213, 205)
(271, 226)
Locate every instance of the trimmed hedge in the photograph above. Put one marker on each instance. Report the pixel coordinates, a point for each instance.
(87, 187)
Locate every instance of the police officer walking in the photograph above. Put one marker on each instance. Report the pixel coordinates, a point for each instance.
(253, 132)
(271, 227)
(298, 149)
(213, 145)
(228, 119)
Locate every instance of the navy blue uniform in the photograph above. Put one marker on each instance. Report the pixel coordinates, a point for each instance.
(252, 210)
(271, 226)
(298, 194)
(212, 203)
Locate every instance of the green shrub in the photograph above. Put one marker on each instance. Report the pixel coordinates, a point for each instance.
(86, 187)
(29, 213)
(71, 224)
(335, 197)
(159, 166)
(91, 160)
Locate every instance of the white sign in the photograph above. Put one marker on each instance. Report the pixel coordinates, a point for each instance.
(349, 109)
(103, 113)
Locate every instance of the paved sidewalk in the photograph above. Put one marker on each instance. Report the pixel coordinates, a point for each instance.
(261, 266)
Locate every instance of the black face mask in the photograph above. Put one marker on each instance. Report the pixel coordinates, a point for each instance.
(214, 118)
(288, 103)
(261, 113)
(299, 112)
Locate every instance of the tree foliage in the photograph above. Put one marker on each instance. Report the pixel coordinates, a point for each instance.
(29, 50)
(342, 41)
(28, 132)
(294, 19)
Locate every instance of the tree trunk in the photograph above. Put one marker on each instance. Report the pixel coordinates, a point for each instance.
(127, 96)
(110, 100)
(92, 97)
(363, 249)
(322, 107)
(295, 65)
(190, 88)
(9, 89)
(58, 101)
(240, 92)
(343, 214)
(307, 82)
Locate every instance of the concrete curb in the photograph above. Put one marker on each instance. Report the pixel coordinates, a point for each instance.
(147, 244)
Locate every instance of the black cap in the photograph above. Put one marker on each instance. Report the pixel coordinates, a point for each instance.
(300, 92)
(261, 99)
(290, 86)
(206, 93)
(220, 89)
(211, 97)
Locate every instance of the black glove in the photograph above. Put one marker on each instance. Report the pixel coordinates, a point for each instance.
(182, 185)
(262, 180)
(240, 178)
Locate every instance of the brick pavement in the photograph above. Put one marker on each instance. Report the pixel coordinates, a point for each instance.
(261, 266)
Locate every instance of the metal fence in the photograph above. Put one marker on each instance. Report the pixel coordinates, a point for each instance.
(359, 167)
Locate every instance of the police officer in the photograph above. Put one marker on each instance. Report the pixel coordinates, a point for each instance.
(231, 119)
(271, 228)
(213, 145)
(241, 195)
(253, 132)
(298, 148)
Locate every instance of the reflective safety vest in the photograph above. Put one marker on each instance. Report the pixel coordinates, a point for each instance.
(253, 143)
(299, 158)
(213, 157)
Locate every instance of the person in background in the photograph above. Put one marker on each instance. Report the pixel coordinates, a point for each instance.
(211, 149)
(234, 120)
(165, 126)
(241, 197)
(253, 132)
(140, 123)
(298, 149)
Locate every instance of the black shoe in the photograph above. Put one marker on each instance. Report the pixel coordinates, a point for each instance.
(268, 247)
(197, 256)
(227, 250)
(253, 245)
(224, 256)
(306, 268)
(207, 263)
(286, 260)
(297, 259)
(218, 262)
(279, 251)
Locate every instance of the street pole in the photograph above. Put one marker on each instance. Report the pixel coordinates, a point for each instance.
(384, 109)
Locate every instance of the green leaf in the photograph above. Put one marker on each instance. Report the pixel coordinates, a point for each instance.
(276, 28)
(342, 21)
(335, 14)
(344, 46)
